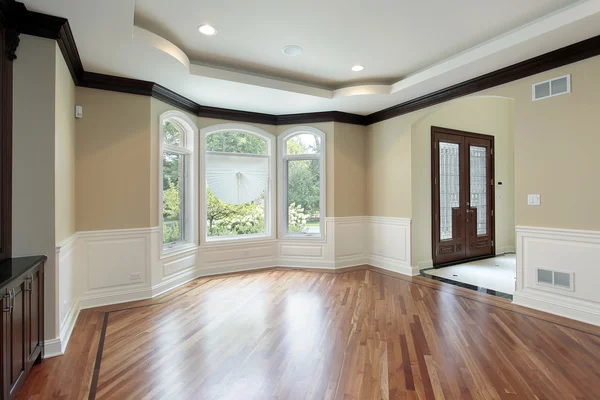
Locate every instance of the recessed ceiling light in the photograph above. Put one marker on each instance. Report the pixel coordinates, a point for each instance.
(357, 68)
(292, 50)
(207, 30)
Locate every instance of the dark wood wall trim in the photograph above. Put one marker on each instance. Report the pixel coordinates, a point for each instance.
(326, 116)
(57, 28)
(9, 41)
(116, 83)
(557, 58)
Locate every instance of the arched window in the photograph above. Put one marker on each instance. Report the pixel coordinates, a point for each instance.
(302, 183)
(178, 142)
(237, 167)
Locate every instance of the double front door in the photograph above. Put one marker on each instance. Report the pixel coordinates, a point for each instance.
(463, 195)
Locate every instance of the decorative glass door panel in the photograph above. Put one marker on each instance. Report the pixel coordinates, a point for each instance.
(449, 186)
(478, 187)
(462, 194)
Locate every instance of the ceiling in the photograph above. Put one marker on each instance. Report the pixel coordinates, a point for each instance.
(409, 48)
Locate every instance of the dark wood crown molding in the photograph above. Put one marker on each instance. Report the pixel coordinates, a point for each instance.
(58, 28)
(325, 116)
(554, 59)
(115, 83)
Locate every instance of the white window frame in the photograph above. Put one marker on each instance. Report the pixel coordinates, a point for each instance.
(270, 195)
(189, 148)
(283, 181)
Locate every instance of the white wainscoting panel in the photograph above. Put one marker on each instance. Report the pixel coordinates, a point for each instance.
(68, 278)
(309, 252)
(350, 241)
(389, 244)
(566, 250)
(116, 265)
(185, 263)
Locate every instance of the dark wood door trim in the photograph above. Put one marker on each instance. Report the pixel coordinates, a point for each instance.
(437, 132)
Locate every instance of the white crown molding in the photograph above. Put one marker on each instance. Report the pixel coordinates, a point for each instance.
(539, 27)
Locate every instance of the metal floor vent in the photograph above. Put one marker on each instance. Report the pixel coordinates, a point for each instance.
(557, 279)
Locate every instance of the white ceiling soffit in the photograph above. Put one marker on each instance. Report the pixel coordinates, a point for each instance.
(537, 28)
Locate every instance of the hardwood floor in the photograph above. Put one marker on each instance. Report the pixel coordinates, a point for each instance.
(293, 334)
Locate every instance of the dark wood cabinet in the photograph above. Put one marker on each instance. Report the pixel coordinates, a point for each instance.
(22, 338)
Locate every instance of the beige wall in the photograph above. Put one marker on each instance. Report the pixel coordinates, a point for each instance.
(33, 212)
(349, 170)
(490, 116)
(555, 142)
(130, 141)
(113, 167)
(388, 167)
(64, 149)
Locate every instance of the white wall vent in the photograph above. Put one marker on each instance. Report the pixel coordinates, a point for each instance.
(555, 279)
(551, 88)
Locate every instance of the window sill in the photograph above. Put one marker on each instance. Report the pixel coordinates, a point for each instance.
(178, 249)
(221, 240)
(307, 238)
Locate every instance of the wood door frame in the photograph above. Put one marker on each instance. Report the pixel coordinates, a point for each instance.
(435, 200)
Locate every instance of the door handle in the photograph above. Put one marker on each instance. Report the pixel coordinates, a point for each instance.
(29, 283)
(12, 300)
(7, 297)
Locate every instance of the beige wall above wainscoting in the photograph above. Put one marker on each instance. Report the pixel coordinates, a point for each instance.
(43, 162)
(113, 160)
(117, 161)
(349, 170)
(556, 149)
(388, 167)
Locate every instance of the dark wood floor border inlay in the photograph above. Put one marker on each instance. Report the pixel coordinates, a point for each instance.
(51, 27)
(96, 375)
(411, 280)
(476, 288)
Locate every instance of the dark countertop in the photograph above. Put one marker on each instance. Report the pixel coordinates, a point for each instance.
(12, 268)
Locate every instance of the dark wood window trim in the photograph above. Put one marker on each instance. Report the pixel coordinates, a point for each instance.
(435, 201)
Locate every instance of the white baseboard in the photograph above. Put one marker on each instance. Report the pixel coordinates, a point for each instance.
(69, 323)
(109, 297)
(423, 265)
(351, 261)
(185, 277)
(392, 265)
(505, 250)
(53, 348)
(584, 311)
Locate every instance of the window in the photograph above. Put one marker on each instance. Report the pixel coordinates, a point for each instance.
(236, 183)
(178, 160)
(302, 183)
